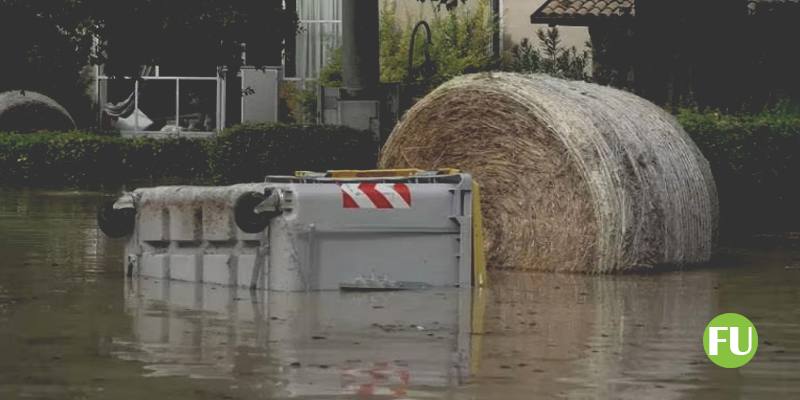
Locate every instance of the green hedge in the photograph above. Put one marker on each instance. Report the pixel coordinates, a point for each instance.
(249, 152)
(756, 164)
(77, 159)
(755, 160)
(240, 154)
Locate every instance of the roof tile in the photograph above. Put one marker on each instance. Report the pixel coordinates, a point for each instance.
(756, 6)
(573, 8)
(566, 10)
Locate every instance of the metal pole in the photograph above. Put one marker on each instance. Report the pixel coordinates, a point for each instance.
(136, 106)
(218, 103)
(223, 99)
(428, 43)
(99, 102)
(177, 104)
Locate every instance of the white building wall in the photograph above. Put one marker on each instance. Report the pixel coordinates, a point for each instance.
(517, 24)
(320, 22)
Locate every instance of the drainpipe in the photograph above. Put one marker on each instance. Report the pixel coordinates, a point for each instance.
(360, 49)
(497, 36)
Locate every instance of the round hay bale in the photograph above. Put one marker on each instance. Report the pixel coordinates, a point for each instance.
(30, 112)
(575, 176)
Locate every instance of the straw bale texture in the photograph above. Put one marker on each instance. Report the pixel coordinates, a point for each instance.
(27, 111)
(575, 177)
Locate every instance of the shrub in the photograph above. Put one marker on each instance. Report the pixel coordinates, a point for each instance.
(550, 57)
(241, 154)
(247, 153)
(89, 160)
(756, 164)
(297, 104)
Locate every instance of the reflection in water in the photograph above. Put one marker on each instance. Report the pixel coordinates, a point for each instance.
(604, 337)
(58, 228)
(633, 337)
(71, 327)
(301, 344)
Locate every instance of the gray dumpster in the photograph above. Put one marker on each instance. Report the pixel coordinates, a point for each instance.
(354, 230)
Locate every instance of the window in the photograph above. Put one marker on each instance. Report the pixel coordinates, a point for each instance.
(320, 34)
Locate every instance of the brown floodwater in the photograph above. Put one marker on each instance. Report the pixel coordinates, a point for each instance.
(72, 327)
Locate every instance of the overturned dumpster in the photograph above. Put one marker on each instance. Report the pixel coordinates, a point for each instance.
(348, 230)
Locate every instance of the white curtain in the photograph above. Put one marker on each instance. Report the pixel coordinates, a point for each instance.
(319, 36)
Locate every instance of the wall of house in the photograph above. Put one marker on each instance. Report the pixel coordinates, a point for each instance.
(516, 15)
(517, 24)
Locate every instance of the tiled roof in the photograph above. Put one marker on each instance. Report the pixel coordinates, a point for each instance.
(773, 1)
(563, 10)
(754, 6)
(566, 12)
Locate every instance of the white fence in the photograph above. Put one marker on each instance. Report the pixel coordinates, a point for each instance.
(204, 115)
(156, 105)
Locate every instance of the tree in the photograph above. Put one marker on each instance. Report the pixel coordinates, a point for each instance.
(190, 34)
(45, 47)
(48, 44)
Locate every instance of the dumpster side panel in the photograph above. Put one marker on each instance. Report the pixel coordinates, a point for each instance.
(430, 259)
(189, 234)
(328, 240)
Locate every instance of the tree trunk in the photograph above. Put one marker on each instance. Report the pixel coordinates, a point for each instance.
(290, 44)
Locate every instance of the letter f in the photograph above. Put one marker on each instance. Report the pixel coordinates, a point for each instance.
(714, 340)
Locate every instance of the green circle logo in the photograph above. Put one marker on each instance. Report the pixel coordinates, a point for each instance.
(730, 340)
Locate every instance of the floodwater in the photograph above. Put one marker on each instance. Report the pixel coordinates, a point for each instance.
(71, 327)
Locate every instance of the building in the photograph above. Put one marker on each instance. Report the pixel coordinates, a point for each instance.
(516, 24)
(201, 100)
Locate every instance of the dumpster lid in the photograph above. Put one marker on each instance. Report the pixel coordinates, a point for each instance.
(444, 175)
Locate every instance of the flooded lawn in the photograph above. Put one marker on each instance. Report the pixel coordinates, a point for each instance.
(71, 327)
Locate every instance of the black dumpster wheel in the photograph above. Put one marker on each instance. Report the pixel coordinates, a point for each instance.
(115, 223)
(246, 218)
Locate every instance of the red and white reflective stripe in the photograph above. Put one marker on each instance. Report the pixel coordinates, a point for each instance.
(376, 195)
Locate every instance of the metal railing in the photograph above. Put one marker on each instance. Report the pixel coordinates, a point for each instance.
(220, 105)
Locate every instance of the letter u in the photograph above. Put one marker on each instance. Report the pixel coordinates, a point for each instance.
(734, 344)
